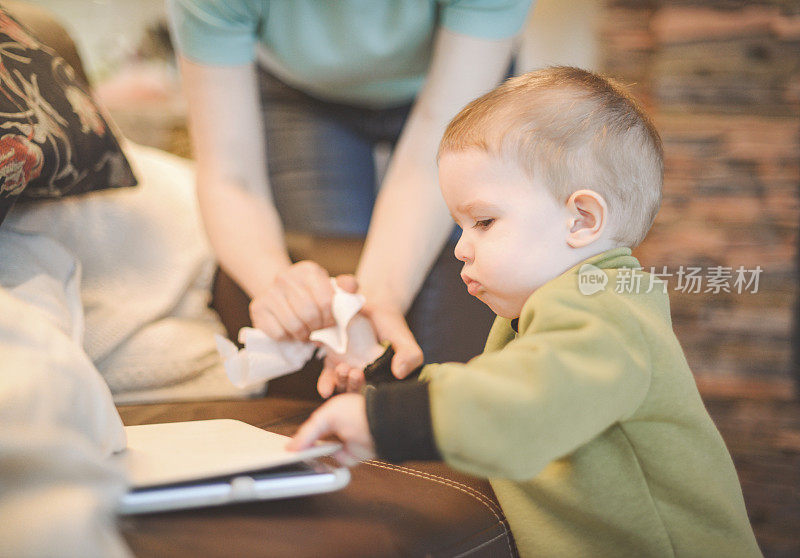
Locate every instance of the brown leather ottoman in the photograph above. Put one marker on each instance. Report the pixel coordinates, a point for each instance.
(414, 509)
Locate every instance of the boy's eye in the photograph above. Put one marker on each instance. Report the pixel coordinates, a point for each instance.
(484, 223)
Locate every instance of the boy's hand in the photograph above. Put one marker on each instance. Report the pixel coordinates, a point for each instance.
(346, 372)
(344, 416)
(338, 376)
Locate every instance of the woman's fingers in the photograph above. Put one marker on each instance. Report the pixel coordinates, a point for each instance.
(347, 282)
(313, 288)
(321, 292)
(280, 309)
(264, 320)
(297, 303)
(391, 326)
(407, 354)
(302, 304)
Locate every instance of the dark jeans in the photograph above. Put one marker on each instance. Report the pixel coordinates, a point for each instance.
(323, 177)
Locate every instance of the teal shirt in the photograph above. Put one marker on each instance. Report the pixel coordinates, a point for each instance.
(364, 52)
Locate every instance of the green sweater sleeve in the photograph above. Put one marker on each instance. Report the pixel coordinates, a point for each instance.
(578, 365)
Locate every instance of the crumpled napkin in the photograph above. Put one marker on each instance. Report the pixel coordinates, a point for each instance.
(264, 358)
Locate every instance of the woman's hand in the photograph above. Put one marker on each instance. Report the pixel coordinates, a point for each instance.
(297, 303)
(390, 326)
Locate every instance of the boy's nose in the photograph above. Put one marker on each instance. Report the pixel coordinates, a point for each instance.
(462, 251)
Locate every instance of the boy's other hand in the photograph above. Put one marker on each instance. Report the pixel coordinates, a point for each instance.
(338, 376)
(390, 325)
(344, 416)
(346, 372)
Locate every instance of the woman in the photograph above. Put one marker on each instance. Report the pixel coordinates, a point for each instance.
(286, 102)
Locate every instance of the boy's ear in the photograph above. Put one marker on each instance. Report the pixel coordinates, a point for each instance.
(588, 214)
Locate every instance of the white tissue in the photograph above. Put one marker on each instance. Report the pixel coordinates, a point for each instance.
(345, 306)
(264, 358)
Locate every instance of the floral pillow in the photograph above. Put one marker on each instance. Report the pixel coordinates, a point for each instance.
(54, 140)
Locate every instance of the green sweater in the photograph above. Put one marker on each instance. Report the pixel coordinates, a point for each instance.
(587, 422)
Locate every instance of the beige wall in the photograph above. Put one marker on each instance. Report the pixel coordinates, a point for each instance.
(561, 32)
(107, 31)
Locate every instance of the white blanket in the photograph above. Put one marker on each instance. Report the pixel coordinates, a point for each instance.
(58, 423)
(146, 277)
(117, 281)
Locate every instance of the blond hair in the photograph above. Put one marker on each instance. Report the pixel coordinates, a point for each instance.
(571, 129)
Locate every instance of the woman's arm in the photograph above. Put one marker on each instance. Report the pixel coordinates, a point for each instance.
(232, 185)
(410, 222)
(237, 207)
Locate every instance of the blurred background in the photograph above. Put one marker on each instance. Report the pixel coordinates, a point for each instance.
(722, 81)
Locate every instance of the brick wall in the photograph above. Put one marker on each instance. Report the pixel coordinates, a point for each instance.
(722, 80)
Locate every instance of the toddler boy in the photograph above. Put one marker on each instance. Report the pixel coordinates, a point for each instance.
(581, 410)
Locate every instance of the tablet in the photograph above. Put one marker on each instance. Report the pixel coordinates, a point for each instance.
(299, 479)
(211, 462)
